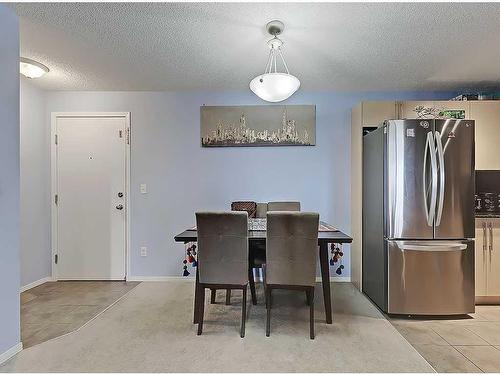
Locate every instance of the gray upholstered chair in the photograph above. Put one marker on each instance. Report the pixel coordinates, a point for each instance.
(283, 206)
(222, 256)
(291, 252)
(261, 210)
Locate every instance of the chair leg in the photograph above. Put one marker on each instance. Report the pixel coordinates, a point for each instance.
(243, 312)
(308, 298)
(228, 296)
(201, 310)
(264, 283)
(212, 295)
(268, 307)
(311, 313)
(251, 280)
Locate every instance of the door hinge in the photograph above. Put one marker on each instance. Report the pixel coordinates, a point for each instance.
(55, 139)
(128, 136)
(56, 199)
(56, 258)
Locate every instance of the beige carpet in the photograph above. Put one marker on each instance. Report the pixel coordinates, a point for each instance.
(150, 330)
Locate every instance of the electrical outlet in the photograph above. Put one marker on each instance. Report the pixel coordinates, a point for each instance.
(144, 189)
(144, 251)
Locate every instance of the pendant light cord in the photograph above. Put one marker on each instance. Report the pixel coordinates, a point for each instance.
(283, 59)
(272, 60)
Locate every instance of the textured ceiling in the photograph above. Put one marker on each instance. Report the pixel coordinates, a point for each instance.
(337, 46)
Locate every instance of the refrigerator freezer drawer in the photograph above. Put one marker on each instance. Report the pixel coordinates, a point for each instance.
(430, 277)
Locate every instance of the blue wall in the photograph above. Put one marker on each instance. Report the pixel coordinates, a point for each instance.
(9, 180)
(182, 177)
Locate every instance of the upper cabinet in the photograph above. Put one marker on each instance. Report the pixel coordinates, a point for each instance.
(487, 121)
(454, 105)
(407, 108)
(373, 113)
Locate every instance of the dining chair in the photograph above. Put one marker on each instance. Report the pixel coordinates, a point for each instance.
(261, 211)
(291, 252)
(283, 206)
(222, 256)
(248, 206)
(257, 252)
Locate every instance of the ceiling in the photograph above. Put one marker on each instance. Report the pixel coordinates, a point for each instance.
(221, 46)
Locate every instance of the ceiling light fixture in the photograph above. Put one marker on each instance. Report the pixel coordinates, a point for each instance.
(31, 68)
(274, 86)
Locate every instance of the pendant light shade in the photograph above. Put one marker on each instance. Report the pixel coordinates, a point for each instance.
(274, 86)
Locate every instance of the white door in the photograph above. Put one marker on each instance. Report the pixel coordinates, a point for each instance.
(91, 203)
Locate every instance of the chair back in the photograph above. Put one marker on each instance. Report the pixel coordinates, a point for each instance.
(291, 248)
(222, 247)
(249, 207)
(283, 206)
(261, 210)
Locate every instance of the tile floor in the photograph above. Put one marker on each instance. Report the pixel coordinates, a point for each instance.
(56, 308)
(469, 344)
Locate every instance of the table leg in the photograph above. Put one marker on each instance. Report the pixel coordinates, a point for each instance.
(325, 278)
(198, 293)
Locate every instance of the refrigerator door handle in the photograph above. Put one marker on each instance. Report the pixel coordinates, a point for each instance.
(430, 149)
(439, 247)
(440, 153)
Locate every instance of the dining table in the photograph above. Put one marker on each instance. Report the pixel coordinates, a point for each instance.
(327, 234)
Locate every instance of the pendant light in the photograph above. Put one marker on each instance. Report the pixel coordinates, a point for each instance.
(272, 85)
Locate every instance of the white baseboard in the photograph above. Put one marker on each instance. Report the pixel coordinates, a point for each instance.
(11, 352)
(160, 278)
(35, 283)
(343, 279)
(338, 279)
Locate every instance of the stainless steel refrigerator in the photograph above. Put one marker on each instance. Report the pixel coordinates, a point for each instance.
(418, 217)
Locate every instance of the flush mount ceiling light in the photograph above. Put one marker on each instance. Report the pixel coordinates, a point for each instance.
(31, 68)
(275, 86)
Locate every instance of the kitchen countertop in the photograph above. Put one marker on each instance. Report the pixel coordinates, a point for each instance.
(487, 215)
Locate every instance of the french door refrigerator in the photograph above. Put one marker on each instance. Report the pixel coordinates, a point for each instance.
(418, 217)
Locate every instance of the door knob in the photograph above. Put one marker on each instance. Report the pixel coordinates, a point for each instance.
(119, 207)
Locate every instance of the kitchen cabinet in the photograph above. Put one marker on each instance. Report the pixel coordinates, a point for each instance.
(373, 113)
(488, 260)
(454, 105)
(493, 261)
(487, 117)
(480, 256)
(407, 108)
(365, 114)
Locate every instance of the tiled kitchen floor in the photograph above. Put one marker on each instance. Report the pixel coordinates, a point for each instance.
(470, 344)
(56, 308)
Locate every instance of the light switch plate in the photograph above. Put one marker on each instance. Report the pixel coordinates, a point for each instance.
(144, 189)
(144, 251)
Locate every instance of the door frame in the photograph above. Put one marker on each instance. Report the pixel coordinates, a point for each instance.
(53, 183)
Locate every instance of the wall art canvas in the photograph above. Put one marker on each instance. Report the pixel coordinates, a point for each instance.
(258, 125)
